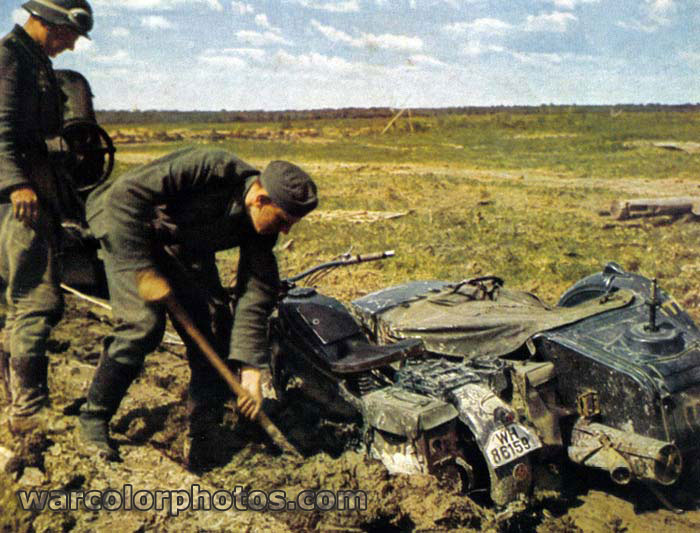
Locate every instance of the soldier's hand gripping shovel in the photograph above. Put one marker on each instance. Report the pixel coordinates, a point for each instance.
(156, 289)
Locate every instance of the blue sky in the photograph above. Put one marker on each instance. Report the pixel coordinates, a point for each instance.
(306, 54)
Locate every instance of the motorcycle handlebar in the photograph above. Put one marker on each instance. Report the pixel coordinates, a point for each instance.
(344, 261)
(375, 256)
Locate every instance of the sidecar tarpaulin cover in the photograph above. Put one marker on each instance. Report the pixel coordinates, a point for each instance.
(471, 318)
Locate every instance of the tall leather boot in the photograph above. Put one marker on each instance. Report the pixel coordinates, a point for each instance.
(108, 387)
(207, 394)
(205, 420)
(29, 391)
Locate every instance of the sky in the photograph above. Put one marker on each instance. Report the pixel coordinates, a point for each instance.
(311, 54)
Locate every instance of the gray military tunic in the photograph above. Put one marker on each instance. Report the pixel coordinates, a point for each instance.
(30, 111)
(190, 202)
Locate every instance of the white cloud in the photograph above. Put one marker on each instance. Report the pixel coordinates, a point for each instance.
(83, 45)
(242, 8)
(262, 21)
(479, 32)
(343, 6)
(232, 56)
(255, 38)
(544, 59)
(413, 4)
(482, 26)
(257, 54)
(120, 32)
(537, 58)
(477, 48)
(637, 25)
(156, 4)
(660, 11)
(388, 41)
(571, 4)
(657, 14)
(552, 22)
(333, 34)
(315, 62)
(120, 57)
(385, 41)
(310, 65)
(661, 6)
(222, 60)
(425, 60)
(156, 22)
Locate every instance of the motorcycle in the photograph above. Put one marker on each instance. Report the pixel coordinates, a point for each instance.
(491, 389)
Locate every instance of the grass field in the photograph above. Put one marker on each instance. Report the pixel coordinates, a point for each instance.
(519, 195)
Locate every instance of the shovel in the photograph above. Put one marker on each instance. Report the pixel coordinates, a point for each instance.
(157, 290)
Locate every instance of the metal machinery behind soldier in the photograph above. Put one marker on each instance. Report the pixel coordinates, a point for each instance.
(459, 380)
(83, 157)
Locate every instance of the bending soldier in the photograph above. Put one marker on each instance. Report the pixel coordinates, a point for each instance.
(31, 110)
(162, 223)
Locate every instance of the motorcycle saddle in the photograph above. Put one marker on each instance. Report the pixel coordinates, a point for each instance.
(344, 349)
(358, 355)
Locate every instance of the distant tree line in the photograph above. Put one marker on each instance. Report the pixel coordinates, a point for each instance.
(185, 117)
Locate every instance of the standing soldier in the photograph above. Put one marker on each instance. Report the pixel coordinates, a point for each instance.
(160, 225)
(31, 110)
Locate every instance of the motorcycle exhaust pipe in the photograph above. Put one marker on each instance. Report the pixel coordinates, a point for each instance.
(611, 461)
(624, 454)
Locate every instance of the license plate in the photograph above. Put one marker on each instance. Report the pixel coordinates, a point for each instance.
(510, 442)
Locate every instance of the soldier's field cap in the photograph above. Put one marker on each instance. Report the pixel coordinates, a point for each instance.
(76, 14)
(290, 188)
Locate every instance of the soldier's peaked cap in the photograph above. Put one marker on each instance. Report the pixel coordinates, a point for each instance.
(290, 188)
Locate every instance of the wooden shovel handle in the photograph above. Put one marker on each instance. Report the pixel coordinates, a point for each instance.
(178, 313)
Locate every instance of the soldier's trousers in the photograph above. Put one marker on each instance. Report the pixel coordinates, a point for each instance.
(30, 281)
(140, 326)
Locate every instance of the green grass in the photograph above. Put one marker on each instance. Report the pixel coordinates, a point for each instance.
(512, 194)
(583, 143)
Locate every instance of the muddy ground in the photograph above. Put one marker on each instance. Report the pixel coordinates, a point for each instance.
(150, 428)
(151, 425)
